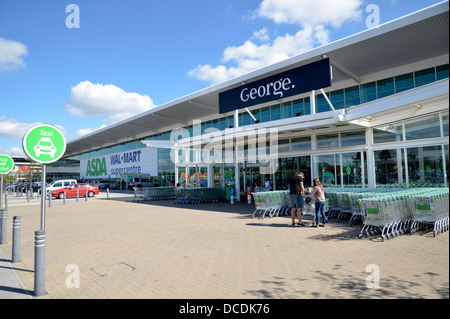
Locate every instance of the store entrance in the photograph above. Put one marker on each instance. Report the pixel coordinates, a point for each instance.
(290, 166)
(251, 175)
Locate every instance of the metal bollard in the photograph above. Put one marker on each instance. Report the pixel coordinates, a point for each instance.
(28, 195)
(3, 216)
(16, 240)
(6, 201)
(85, 195)
(65, 195)
(39, 263)
(107, 193)
(49, 199)
(78, 194)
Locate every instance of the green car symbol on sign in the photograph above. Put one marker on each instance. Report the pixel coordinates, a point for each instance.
(44, 143)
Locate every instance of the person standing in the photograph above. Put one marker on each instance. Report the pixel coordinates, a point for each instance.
(297, 191)
(319, 193)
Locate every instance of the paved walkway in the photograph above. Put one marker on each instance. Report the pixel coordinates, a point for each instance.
(117, 248)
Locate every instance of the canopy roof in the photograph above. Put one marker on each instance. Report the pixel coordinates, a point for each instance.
(416, 37)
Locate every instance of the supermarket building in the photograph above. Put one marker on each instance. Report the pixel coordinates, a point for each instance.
(369, 110)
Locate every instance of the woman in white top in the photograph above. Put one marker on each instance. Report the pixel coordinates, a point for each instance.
(319, 193)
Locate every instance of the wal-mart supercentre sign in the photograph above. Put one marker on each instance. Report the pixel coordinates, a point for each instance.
(303, 79)
(139, 161)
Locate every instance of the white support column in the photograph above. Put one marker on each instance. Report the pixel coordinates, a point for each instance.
(209, 171)
(236, 119)
(371, 178)
(363, 168)
(313, 102)
(237, 185)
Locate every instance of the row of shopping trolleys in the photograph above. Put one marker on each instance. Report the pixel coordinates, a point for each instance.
(195, 195)
(390, 212)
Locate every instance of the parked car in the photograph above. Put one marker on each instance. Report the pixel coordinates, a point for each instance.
(71, 191)
(140, 182)
(114, 185)
(59, 184)
(103, 184)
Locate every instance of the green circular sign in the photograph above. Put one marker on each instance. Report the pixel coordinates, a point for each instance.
(6, 164)
(44, 143)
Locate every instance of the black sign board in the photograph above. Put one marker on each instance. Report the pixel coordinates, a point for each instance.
(303, 79)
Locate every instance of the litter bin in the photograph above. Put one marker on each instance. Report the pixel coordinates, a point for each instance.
(228, 189)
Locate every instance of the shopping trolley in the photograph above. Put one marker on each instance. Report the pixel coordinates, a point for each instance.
(272, 204)
(431, 212)
(199, 195)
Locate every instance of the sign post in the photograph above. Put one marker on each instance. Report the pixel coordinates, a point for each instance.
(6, 165)
(45, 144)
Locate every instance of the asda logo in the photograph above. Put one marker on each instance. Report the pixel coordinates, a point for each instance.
(96, 167)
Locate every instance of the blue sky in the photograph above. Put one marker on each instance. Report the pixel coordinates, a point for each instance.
(129, 56)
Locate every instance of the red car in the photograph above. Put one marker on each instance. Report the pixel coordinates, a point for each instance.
(72, 191)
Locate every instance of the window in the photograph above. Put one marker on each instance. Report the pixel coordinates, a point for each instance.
(327, 141)
(423, 127)
(352, 168)
(301, 143)
(404, 82)
(256, 114)
(265, 114)
(385, 87)
(297, 108)
(328, 169)
(425, 165)
(386, 166)
(388, 133)
(337, 99)
(353, 138)
(352, 96)
(307, 106)
(222, 123)
(247, 119)
(368, 92)
(322, 104)
(275, 112)
(424, 76)
(283, 146)
(445, 123)
(442, 72)
(286, 110)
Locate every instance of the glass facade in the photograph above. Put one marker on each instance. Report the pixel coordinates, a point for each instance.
(336, 166)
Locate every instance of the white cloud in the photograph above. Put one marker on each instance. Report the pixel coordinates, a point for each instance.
(88, 100)
(14, 151)
(11, 55)
(313, 17)
(251, 56)
(85, 131)
(13, 128)
(261, 35)
(307, 12)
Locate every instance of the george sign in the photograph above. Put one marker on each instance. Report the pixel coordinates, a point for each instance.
(303, 79)
(6, 164)
(44, 143)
